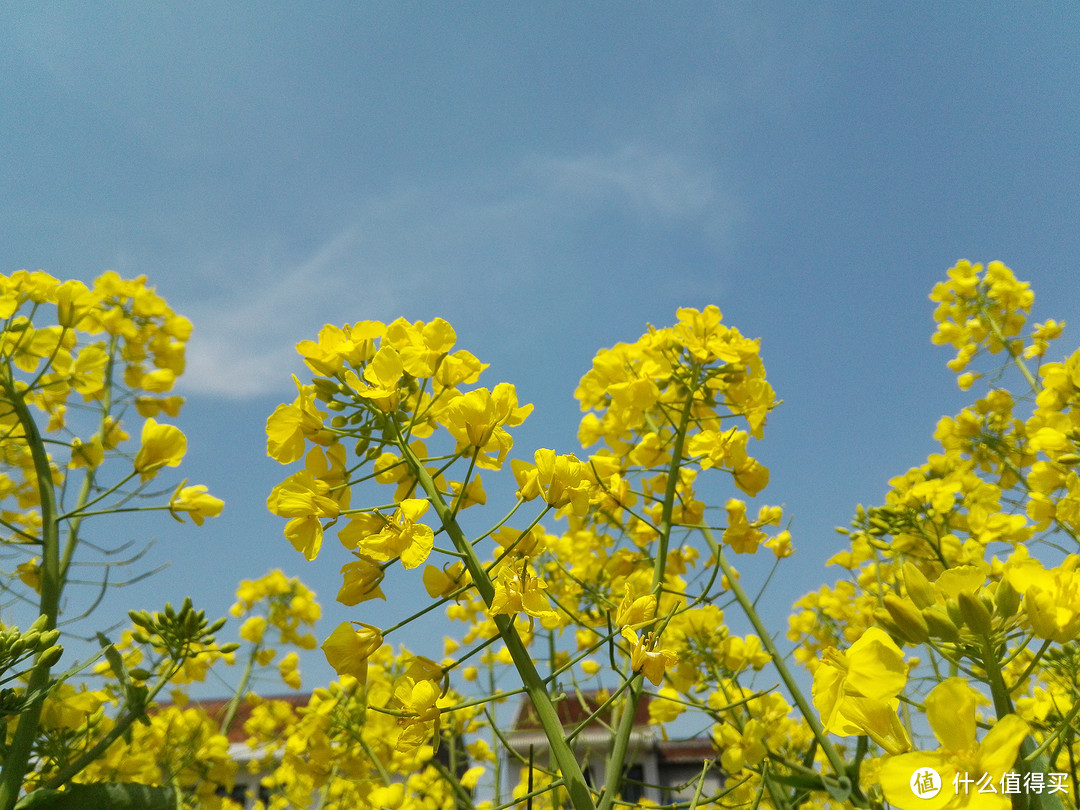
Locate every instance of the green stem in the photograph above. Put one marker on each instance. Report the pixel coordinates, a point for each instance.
(808, 712)
(88, 479)
(1030, 759)
(998, 690)
(617, 759)
(1018, 361)
(123, 723)
(576, 787)
(241, 689)
(17, 759)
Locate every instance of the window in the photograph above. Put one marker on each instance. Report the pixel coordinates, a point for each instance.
(633, 787)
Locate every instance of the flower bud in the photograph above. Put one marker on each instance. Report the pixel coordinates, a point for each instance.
(952, 607)
(49, 638)
(975, 613)
(940, 625)
(907, 618)
(883, 620)
(51, 655)
(918, 586)
(141, 618)
(1006, 599)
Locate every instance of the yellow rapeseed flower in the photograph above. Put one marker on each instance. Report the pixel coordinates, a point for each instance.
(347, 649)
(856, 691)
(162, 446)
(950, 708)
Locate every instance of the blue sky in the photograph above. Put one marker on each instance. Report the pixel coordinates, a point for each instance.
(549, 178)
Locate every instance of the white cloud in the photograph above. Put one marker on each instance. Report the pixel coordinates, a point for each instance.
(647, 183)
(245, 335)
(417, 250)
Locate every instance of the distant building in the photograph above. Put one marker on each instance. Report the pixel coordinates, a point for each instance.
(660, 770)
(248, 787)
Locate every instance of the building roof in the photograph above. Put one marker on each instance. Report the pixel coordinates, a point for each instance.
(698, 750)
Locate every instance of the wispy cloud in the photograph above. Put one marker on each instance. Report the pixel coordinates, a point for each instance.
(647, 183)
(483, 238)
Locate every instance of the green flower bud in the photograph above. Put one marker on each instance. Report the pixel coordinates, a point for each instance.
(51, 655)
(49, 638)
(918, 586)
(140, 618)
(952, 607)
(976, 616)
(907, 618)
(1006, 599)
(883, 620)
(940, 625)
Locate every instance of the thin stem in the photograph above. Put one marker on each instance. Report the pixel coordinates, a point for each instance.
(17, 759)
(811, 716)
(576, 786)
(617, 758)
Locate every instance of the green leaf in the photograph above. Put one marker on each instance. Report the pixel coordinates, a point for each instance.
(102, 796)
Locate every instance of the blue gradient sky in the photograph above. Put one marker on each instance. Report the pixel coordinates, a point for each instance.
(549, 178)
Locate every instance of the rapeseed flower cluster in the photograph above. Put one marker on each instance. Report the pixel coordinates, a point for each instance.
(604, 581)
(83, 368)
